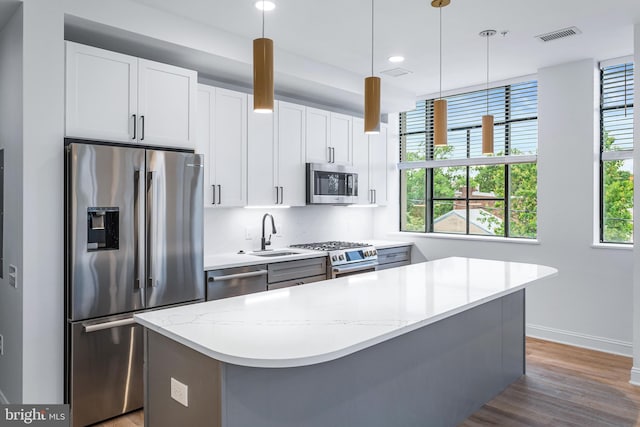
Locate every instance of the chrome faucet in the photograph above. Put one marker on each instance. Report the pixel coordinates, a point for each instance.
(264, 242)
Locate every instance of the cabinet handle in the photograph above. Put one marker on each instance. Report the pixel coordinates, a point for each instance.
(375, 196)
(277, 195)
(142, 136)
(329, 148)
(135, 125)
(333, 155)
(219, 194)
(282, 195)
(213, 201)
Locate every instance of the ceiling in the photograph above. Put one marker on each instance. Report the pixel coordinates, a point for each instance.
(337, 32)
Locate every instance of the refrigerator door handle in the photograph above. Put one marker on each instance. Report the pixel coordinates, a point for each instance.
(150, 213)
(108, 325)
(136, 230)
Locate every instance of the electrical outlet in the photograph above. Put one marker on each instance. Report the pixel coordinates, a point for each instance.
(247, 234)
(179, 392)
(1, 345)
(13, 276)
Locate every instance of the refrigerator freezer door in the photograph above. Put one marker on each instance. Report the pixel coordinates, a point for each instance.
(175, 269)
(106, 369)
(105, 209)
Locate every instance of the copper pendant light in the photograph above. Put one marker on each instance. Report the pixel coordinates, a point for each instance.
(487, 119)
(440, 105)
(372, 94)
(263, 73)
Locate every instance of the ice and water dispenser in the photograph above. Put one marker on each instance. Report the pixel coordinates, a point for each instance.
(103, 228)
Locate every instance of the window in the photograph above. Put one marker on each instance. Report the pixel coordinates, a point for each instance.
(457, 190)
(616, 153)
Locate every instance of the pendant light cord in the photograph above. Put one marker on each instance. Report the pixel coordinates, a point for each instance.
(263, 19)
(440, 52)
(372, 7)
(487, 75)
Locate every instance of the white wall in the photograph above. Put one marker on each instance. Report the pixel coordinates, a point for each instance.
(11, 142)
(635, 371)
(42, 198)
(590, 302)
(225, 229)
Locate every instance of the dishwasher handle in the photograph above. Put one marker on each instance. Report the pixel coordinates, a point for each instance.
(108, 325)
(237, 276)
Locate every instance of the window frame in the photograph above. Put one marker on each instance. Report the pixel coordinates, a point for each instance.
(430, 164)
(612, 155)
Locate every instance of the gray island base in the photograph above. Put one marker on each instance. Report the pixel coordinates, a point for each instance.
(436, 375)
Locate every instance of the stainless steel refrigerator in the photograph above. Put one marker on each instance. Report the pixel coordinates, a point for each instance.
(134, 241)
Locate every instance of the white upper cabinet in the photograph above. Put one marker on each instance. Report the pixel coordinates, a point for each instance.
(222, 138)
(370, 160)
(276, 162)
(329, 137)
(291, 155)
(341, 138)
(378, 165)
(101, 94)
(116, 97)
(262, 188)
(167, 104)
(318, 133)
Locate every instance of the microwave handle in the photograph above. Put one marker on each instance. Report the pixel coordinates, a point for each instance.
(350, 187)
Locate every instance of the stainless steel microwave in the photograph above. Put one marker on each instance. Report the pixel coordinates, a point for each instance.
(331, 184)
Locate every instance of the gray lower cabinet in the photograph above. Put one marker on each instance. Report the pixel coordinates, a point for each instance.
(292, 273)
(394, 257)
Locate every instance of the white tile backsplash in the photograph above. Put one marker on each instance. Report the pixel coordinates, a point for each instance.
(225, 230)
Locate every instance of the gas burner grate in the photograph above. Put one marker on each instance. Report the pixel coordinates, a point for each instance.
(331, 245)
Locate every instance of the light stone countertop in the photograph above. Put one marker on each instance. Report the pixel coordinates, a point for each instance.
(322, 321)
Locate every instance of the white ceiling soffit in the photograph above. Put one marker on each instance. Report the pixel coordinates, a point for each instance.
(322, 45)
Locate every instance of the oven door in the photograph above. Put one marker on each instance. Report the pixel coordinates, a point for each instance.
(356, 268)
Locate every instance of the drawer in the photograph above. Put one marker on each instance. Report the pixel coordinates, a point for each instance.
(296, 282)
(392, 265)
(394, 255)
(291, 270)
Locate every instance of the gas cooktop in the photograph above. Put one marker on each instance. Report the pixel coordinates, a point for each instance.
(331, 245)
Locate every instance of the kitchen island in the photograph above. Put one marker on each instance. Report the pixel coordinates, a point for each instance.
(424, 344)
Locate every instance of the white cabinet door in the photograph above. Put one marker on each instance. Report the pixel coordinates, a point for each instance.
(204, 138)
(340, 141)
(378, 166)
(229, 148)
(166, 104)
(101, 94)
(290, 154)
(317, 135)
(261, 163)
(361, 161)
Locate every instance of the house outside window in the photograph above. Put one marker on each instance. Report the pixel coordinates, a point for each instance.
(457, 190)
(616, 153)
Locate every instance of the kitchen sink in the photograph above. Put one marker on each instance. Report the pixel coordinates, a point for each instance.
(274, 253)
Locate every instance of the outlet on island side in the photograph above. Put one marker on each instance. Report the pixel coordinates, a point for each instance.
(180, 392)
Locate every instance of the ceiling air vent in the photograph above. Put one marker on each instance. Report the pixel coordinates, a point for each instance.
(559, 34)
(395, 72)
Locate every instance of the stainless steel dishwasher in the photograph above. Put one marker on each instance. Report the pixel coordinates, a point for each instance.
(229, 282)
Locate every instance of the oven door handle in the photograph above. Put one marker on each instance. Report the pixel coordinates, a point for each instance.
(365, 265)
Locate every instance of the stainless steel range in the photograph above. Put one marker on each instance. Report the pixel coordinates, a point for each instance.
(345, 258)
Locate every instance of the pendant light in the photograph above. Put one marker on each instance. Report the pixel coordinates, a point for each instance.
(440, 105)
(263, 72)
(372, 94)
(487, 119)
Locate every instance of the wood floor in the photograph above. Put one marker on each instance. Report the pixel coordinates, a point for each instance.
(564, 386)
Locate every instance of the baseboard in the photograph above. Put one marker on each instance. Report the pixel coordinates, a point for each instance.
(635, 376)
(3, 399)
(591, 342)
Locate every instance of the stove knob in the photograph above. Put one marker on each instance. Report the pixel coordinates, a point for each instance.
(373, 252)
(367, 253)
(341, 257)
(334, 258)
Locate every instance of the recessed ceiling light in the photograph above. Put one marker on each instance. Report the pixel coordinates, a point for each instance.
(266, 5)
(396, 58)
